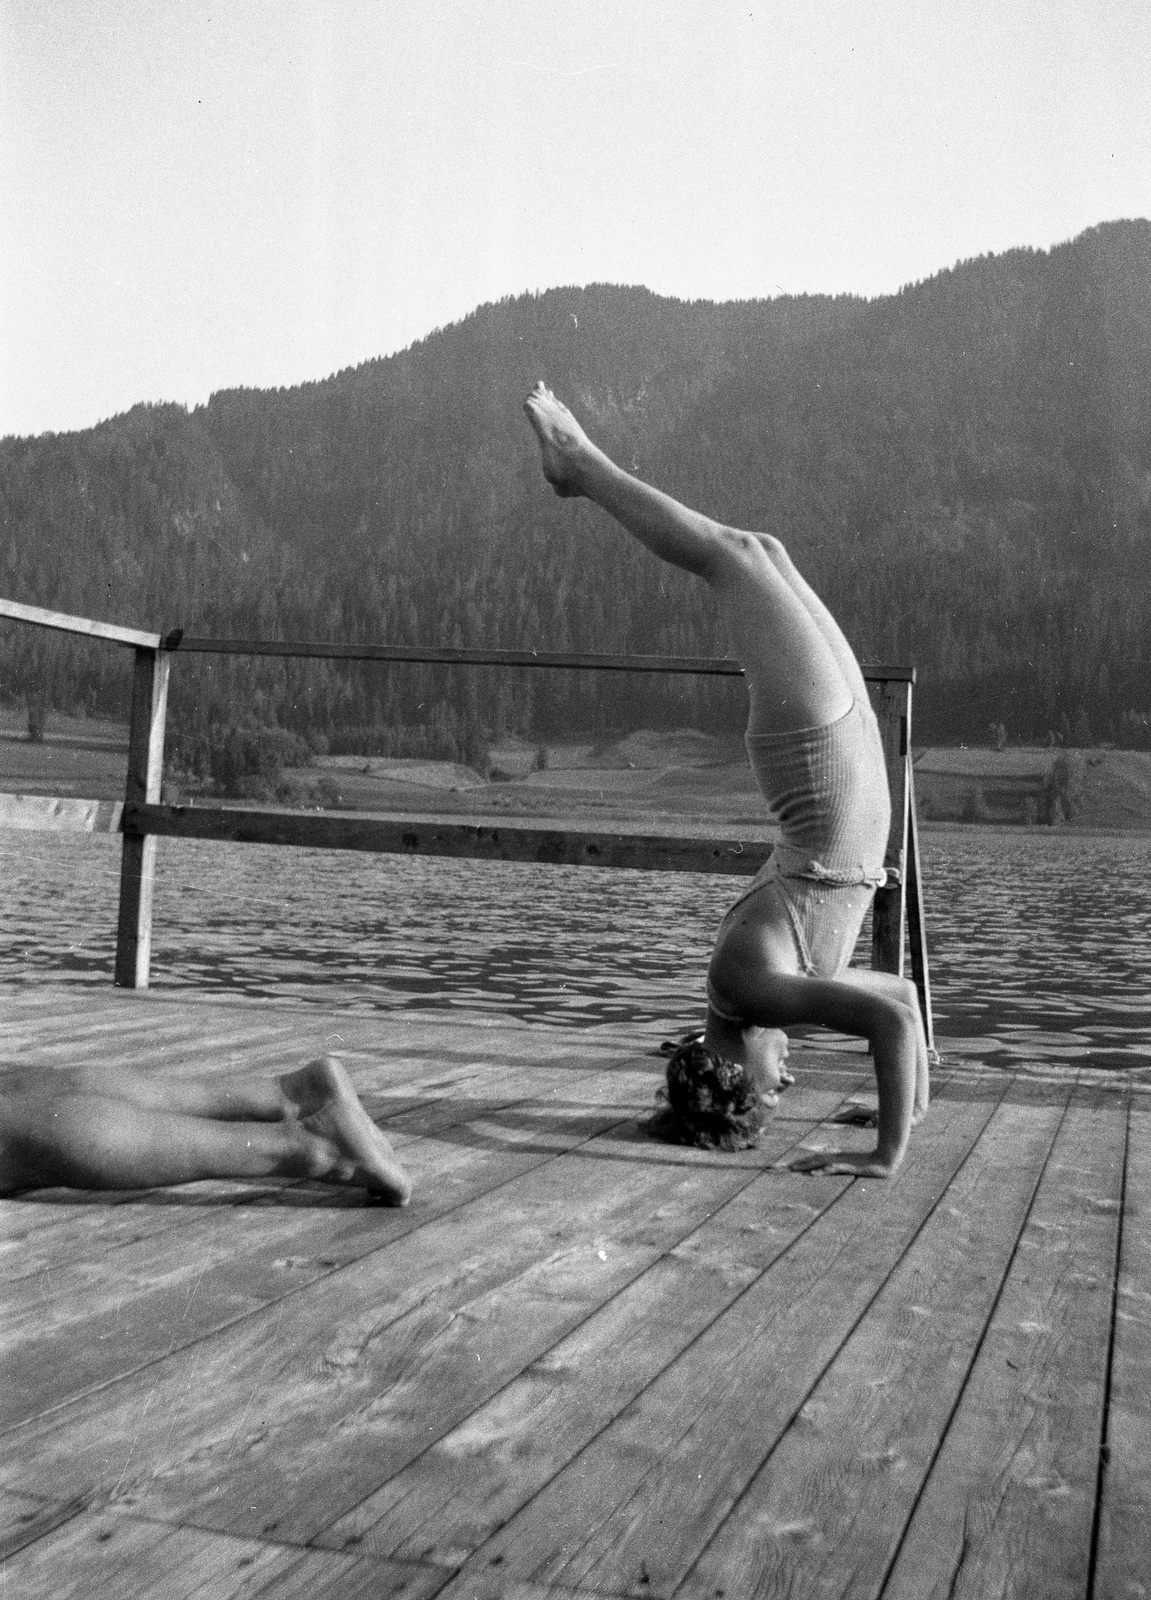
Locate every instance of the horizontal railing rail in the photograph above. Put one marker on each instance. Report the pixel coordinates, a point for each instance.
(63, 623)
(537, 843)
(898, 906)
(175, 639)
(452, 656)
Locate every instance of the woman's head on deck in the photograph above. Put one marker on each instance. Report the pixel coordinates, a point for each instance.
(712, 1102)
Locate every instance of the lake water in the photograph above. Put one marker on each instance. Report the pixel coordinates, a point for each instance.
(1040, 942)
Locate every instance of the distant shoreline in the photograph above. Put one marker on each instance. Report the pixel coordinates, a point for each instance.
(641, 779)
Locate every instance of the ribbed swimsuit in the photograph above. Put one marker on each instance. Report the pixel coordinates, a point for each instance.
(827, 789)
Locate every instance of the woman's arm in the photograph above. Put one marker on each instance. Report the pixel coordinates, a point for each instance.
(783, 1000)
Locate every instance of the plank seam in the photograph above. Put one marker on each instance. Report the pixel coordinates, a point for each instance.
(88, 1503)
(53, 1413)
(992, 1309)
(894, 1267)
(695, 1338)
(1105, 1429)
(754, 1174)
(677, 1155)
(53, 1515)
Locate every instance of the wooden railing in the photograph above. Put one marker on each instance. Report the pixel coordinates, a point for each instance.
(897, 917)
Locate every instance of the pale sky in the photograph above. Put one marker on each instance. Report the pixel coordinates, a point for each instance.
(200, 195)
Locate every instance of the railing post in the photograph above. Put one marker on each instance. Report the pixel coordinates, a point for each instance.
(138, 861)
(916, 931)
(889, 915)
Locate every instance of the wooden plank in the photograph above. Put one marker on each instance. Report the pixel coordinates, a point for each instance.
(314, 1575)
(203, 1037)
(95, 1323)
(227, 1229)
(24, 1519)
(461, 1490)
(408, 1088)
(108, 1553)
(1009, 1503)
(398, 1062)
(45, 1231)
(826, 1510)
(145, 773)
(698, 1434)
(888, 916)
(43, 1235)
(63, 623)
(47, 813)
(410, 836)
(273, 1420)
(1123, 1559)
(89, 1325)
(494, 1586)
(88, 1555)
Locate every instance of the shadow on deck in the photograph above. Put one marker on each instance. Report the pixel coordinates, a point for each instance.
(580, 1360)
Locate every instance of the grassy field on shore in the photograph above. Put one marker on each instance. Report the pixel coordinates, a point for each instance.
(81, 757)
(643, 776)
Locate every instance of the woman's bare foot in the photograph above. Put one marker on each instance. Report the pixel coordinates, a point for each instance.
(350, 1148)
(563, 443)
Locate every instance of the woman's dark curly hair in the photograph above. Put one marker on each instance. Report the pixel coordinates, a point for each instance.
(711, 1102)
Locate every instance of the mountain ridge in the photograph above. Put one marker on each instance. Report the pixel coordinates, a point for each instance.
(984, 434)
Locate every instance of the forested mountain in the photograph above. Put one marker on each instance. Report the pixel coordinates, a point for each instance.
(963, 469)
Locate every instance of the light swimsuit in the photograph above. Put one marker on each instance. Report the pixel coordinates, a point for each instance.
(827, 788)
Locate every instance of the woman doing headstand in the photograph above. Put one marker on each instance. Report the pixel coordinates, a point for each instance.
(781, 955)
(117, 1128)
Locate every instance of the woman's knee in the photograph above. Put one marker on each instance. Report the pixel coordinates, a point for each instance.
(908, 995)
(896, 1026)
(899, 990)
(909, 1002)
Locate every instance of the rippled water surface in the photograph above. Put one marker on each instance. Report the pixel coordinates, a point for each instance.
(1040, 943)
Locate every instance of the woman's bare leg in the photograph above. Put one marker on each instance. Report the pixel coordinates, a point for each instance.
(801, 672)
(54, 1133)
(832, 633)
(675, 533)
(794, 677)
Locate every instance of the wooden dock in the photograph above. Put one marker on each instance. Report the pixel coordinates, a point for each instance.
(580, 1362)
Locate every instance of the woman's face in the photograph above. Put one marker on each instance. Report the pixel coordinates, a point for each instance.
(766, 1050)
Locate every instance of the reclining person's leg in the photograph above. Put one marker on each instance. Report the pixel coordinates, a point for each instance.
(223, 1096)
(88, 1141)
(63, 1127)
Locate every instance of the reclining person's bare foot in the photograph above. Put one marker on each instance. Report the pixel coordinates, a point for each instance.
(351, 1149)
(562, 441)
